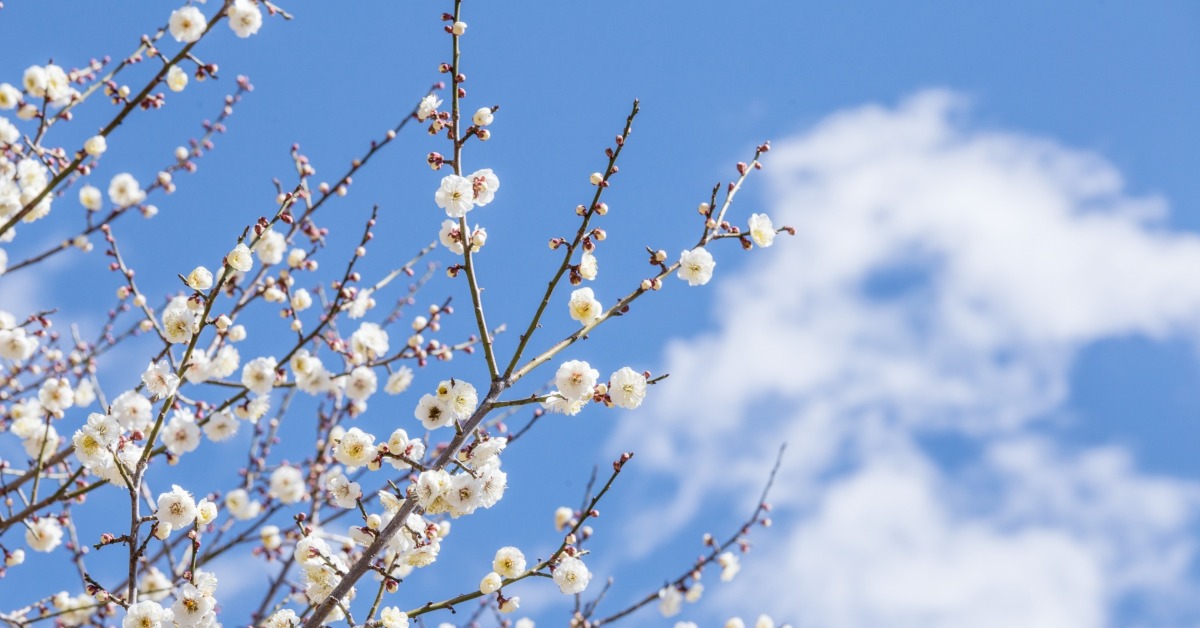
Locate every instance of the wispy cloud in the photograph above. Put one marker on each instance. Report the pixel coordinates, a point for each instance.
(942, 281)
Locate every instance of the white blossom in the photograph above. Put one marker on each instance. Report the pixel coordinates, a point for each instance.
(483, 116)
(187, 24)
(393, 617)
(124, 190)
(145, 614)
(34, 81)
(239, 258)
(460, 398)
(571, 575)
(484, 183)
(154, 585)
(559, 404)
(131, 410)
(344, 493)
(95, 145)
(200, 279)
(428, 107)
(509, 562)
(84, 394)
(696, 266)
(576, 379)
(490, 583)
(259, 375)
(287, 485)
(220, 426)
(17, 345)
(584, 306)
(179, 322)
(90, 198)
(762, 231)
(56, 395)
(433, 412)
(245, 18)
(8, 132)
(181, 434)
(191, 605)
(9, 96)
(399, 444)
(43, 534)
(627, 388)
(240, 505)
(355, 449)
(450, 237)
(588, 266)
(285, 618)
(399, 381)
(456, 195)
(362, 302)
(270, 247)
(271, 538)
(369, 341)
(206, 512)
(176, 508)
(58, 85)
(361, 383)
(301, 300)
(730, 565)
(670, 601)
(562, 517)
(177, 78)
(160, 380)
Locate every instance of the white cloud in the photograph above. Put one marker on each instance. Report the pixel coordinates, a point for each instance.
(942, 278)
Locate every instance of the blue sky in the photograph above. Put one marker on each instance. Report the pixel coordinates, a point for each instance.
(983, 335)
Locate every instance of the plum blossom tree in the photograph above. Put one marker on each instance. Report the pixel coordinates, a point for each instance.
(346, 517)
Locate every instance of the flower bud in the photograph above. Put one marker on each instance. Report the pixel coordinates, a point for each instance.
(200, 279)
(95, 145)
(490, 583)
(483, 116)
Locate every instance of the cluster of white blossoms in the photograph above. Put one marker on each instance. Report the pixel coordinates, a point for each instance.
(195, 604)
(16, 344)
(480, 484)
(162, 420)
(187, 24)
(50, 82)
(180, 320)
(454, 400)
(672, 597)
(451, 237)
(578, 384)
(323, 563)
(20, 184)
(98, 444)
(730, 565)
(459, 195)
(75, 610)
